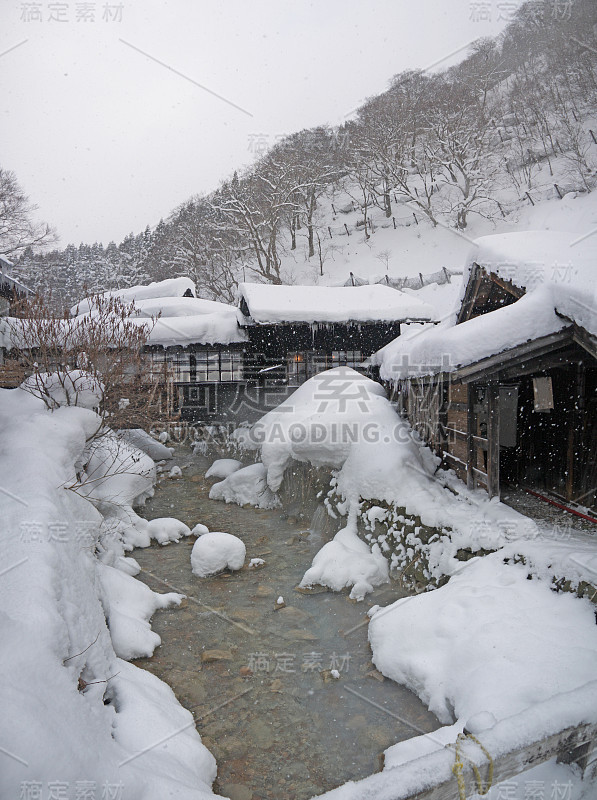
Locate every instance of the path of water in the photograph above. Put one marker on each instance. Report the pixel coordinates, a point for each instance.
(261, 690)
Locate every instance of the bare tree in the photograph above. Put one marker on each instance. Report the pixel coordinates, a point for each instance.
(18, 230)
(94, 359)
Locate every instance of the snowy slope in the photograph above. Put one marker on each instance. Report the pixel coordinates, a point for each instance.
(412, 248)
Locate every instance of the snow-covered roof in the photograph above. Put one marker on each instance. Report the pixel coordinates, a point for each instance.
(221, 328)
(560, 278)
(182, 320)
(173, 287)
(268, 304)
(7, 279)
(180, 307)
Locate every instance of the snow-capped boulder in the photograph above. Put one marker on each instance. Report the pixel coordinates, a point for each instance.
(167, 529)
(246, 486)
(217, 551)
(223, 467)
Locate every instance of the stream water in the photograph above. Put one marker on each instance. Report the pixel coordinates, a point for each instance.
(257, 678)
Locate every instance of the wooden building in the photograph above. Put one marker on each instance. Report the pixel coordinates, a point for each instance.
(236, 364)
(506, 392)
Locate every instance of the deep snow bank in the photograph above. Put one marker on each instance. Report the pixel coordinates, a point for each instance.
(73, 712)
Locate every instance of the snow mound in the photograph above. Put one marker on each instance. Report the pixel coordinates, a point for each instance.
(223, 468)
(217, 551)
(489, 641)
(246, 486)
(175, 472)
(346, 562)
(167, 529)
(72, 388)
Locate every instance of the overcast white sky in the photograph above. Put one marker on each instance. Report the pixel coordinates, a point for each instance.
(105, 140)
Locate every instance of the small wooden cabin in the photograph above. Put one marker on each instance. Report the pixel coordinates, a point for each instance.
(506, 393)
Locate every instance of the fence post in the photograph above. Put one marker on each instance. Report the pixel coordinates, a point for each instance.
(333, 209)
(415, 216)
(394, 221)
(530, 198)
(346, 228)
(593, 136)
(557, 188)
(330, 231)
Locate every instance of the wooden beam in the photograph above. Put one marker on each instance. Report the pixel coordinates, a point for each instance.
(565, 746)
(561, 358)
(471, 292)
(471, 432)
(492, 365)
(507, 286)
(493, 436)
(586, 340)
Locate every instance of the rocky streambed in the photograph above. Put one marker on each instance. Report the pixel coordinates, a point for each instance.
(284, 694)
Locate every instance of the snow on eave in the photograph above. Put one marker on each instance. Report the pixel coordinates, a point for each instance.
(270, 304)
(204, 329)
(449, 347)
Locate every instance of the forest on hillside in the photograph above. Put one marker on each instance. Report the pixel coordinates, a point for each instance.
(475, 139)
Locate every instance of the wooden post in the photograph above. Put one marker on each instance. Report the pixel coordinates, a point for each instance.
(330, 231)
(557, 188)
(346, 229)
(575, 429)
(493, 439)
(530, 198)
(415, 216)
(470, 432)
(394, 221)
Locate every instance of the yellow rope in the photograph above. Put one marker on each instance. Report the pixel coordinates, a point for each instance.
(482, 786)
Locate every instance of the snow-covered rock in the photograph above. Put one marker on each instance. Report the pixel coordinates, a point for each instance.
(347, 562)
(246, 486)
(167, 529)
(199, 529)
(223, 468)
(217, 551)
(175, 472)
